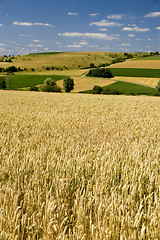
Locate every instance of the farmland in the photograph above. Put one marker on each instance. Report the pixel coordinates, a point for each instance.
(79, 166)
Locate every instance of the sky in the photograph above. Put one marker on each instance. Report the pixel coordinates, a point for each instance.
(29, 26)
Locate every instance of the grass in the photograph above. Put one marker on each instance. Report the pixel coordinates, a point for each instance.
(136, 72)
(75, 166)
(47, 53)
(21, 81)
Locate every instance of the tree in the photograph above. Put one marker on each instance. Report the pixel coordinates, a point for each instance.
(97, 90)
(158, 86)
(2, 83)
(50, 86)
(9, 79)
(68, 84)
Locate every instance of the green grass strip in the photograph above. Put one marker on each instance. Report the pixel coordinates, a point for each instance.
(136, 72)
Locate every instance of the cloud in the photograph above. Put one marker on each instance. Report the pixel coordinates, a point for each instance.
(135, 29)
(89, 35)
(158, 28)
(31, 24)
(72, 13)
(83, 43)
(74, 46)
(1, 25)
(46, 49)
(131, 35)
(116, 16)
(93, 14)
(153, 14)
(125, 44)
(2, 44)
(37, 45)
(104, 23)
(37, 41)
(103, 29)
(23, 35)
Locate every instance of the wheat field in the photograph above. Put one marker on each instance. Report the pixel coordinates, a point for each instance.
(76, 166)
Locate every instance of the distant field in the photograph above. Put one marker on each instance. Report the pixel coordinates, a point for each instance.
(152, 82)
(150, 64)
(128, 88)
(156, 57)
(83, 83)
(21, 81)
(136, 72)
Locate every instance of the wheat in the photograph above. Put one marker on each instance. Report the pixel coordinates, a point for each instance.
(79, 166)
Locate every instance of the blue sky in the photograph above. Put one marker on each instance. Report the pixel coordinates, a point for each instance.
(84, 25)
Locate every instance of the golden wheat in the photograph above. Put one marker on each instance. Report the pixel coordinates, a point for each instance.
(79, 166)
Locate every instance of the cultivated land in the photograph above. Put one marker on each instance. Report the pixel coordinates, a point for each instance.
(74, 64)
(76, 166)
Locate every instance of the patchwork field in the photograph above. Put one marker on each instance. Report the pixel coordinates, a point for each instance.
(84, 83)
(152, 82)
(76, 166)
(143, 63)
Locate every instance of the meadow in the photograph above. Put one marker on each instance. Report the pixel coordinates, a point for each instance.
(75, 166)
(23, 81)
(136, 72)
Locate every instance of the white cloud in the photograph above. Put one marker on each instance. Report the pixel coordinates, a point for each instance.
(93, 14)
(90, 35)
(116, 16)
(125, 44)
(83, 43)
(2, 44)
(46, 49)
(74, 46)
(31, 24)
(135, 29)
(103, 29)
(131, 35)
(23, 35)
(38, 41)
(132, 25)
(158, 28)
(37, 45)
(93, 46)
(149, 39)
(104, 23)
(153, 14)
(72, 13)
(1, 25)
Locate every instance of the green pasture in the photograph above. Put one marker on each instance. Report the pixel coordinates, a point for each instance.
(155, 57)
(136, 72)
(128, 89)
(21, 81)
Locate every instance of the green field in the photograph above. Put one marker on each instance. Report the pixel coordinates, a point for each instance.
(156, 57)
(21, 81)
(128, 88)
(136, 72)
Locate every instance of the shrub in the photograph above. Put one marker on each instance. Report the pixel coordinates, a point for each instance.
(2, 83)
(68, 84)
(97, 90)
(33, 88)
(50, 86)
(100, 72)
(158, 86)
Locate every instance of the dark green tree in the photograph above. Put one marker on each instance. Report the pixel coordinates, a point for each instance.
(2, 83)
(68, 84)
(158, 86)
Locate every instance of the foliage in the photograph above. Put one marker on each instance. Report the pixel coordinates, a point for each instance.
(34, 88)
(158, 86)
(68, 84)
(97, 89)
(100, 72)
(9, 79)
(50, 86)
(2, 83)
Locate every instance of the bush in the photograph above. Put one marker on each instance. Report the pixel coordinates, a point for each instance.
(158, 86)
(68, 84)
(97, 90)
(50, 86)
(33, 88)
(2, 83)
(100, 72)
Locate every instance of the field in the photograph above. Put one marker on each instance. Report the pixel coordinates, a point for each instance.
(77, 166)
(83, 83)
(22, 81)
(151, 63)
(152, 82)
(136, 72)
